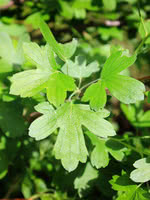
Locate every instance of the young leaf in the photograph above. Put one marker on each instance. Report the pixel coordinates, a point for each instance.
(37, 55)
(64, 51)
(57, 87)
(124, 88)
(30, 82)
(78, 69)
(99, 156)
(141, 174)
(116, 63)
(96, 94)
(70, 145)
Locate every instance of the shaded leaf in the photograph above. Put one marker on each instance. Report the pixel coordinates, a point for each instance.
(78, 69)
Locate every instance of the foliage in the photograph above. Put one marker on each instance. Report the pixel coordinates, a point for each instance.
(73, 123)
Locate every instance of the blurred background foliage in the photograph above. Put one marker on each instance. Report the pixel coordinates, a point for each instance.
(28, 168)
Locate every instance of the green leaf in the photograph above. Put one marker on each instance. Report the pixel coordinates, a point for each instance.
(115, 149)
(5, 44)
(3, 164)
(11, 119)
(116, 63)
(102, 147)
(37, 55)
(110, 32)
(144, 29)
(99, 156)
(57, 87)
(70, 145)
(5, 66)
(96, 94)
(148, 97)
(127, 189)
(44, 125)
(141, 174)
(122, 183)
(78, 69)
(15, 30)
(19, 54)
(28, 83)
(138, 119)
(69, 48)
(126, 89)
(15, 55)
(63, 51)
(27, 186)
(83, 182)
(111, 5)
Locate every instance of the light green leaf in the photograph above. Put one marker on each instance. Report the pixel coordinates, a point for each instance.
(27, 186)
(116, 63)
(15, 55)
(37, 55)
(63, 51)
(57, 87)
(144, 120)
(5, 66)
(69, 48)
(144, 29)
(44, 125)
(83, 182)
(15, 30)
(126, 89)
(96, 94)
(5, 45)
(28, 83)
(70, 145)
(111, 5)
(78, 69)
(44, 108)
(141, 174)
(99, 156)
(19, 54)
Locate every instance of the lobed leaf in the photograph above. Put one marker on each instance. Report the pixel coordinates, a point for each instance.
(78, 69)
(116, 63)
(70, 145)
(57, 87)
(63, 51)
(141, 174)
(126, 89)
(96, 94)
